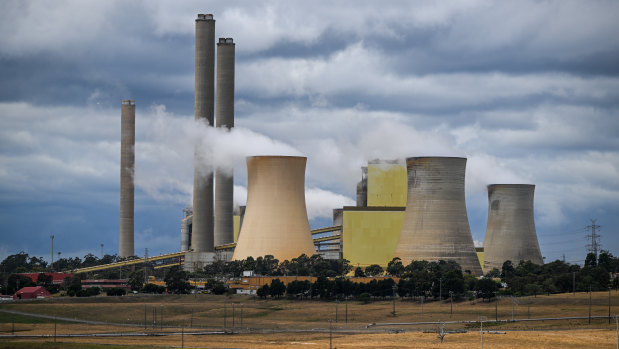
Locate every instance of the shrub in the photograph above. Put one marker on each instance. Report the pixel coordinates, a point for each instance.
(116, 291)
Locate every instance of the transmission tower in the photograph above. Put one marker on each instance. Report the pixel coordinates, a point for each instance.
(594, 246)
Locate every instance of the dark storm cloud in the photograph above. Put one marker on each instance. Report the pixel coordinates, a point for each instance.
(528, 91)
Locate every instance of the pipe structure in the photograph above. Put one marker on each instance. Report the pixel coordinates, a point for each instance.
(510, 232)
(362, 188)
(202, 234)
(127, 171)
(275, 221)
(436, 226)
(224, 189)
(186, 228)
(338, 216)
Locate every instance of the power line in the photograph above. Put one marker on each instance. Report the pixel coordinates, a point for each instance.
(594, 246)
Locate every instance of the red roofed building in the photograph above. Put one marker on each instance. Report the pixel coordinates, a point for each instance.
(32, 293)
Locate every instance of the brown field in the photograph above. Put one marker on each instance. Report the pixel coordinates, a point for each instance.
(288, 323)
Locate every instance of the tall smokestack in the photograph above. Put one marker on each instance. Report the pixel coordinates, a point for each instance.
(436, 226)
(510, 232)
(275, 221)
(224, 224)
(202, 233)
(127, 170)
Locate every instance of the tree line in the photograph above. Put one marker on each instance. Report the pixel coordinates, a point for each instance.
(438, 280)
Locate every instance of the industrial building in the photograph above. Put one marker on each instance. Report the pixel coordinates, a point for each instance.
(413, 209)
(371, 229)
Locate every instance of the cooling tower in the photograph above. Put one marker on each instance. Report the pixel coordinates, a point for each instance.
(224, 223)
(435, 224)
(275, 220)
(127, 168)
(202, 236)
(510, 233)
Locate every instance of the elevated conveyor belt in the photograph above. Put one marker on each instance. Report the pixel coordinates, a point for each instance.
(182, 254)
(129, 262)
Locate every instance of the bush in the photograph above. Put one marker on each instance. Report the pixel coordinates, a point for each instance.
(263, 291)
(88, 292)
(364, 297)
(219, 288)
(152, 288)
(116, 291)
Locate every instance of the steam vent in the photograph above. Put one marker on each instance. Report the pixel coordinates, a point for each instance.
(203, 225)
(275, 220)
(435, 224)
(510, 233)
(127, 167)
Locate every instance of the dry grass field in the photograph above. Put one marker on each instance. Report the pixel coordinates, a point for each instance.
(289, 323)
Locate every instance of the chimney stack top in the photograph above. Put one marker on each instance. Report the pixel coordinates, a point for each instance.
(128, 102)
(204, 17)
(226, 41)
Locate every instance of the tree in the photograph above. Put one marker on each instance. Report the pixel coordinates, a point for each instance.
(176, 280)
(493, 273)
(75, 285)
(590, 260)
(453, 281)
(15, 282)
(374, 270)
(136, 280)
(277, 288)
(90, 260)
(486, 288)
(152, 288)
(507, 270)
(297, 287)
(116, 291)
(219, 288)
(10, 264)
(395, 267)
(44, 279)
(263, 291)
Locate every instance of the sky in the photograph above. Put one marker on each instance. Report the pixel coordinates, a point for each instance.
(527, 91)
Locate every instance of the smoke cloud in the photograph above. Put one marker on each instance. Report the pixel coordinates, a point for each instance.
(165, 157)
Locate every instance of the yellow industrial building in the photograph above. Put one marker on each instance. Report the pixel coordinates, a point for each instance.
(370, 232)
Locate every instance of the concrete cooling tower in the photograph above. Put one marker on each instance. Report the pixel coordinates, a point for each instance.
(275, 221)
(127, 168)
(435, 224)
(510, 233)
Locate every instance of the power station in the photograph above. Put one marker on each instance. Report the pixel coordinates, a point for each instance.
(413, 209)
